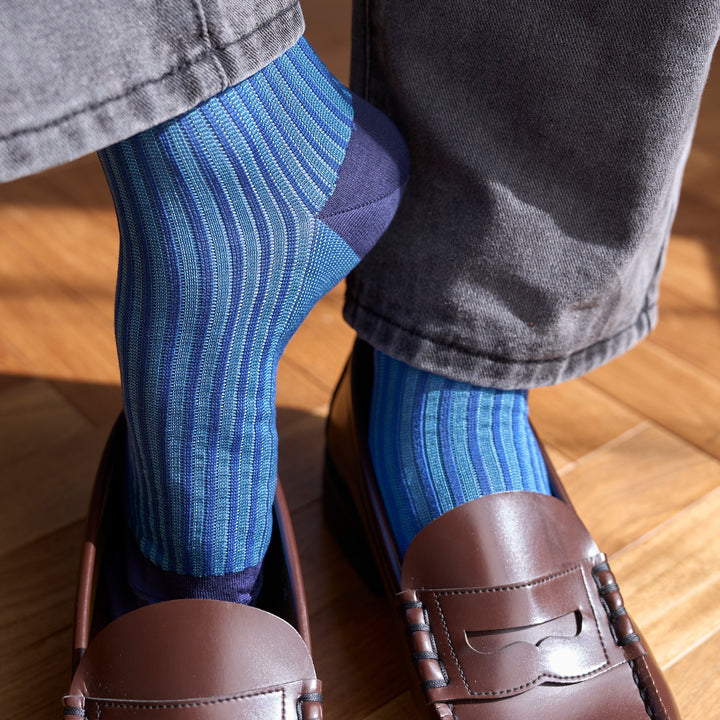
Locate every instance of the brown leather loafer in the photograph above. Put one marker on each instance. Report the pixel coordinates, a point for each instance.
(508, 608)
(189, 659)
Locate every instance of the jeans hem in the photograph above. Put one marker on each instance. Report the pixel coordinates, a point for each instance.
(478, 368)
(169, 92)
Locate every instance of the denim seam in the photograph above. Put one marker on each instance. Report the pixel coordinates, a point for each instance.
(209, 43)
(645, 312)
(185, 65)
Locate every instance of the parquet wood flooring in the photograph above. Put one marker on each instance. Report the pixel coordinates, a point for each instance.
(638, 441)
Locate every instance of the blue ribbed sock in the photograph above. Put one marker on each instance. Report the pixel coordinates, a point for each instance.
(436, 443)
(234, 218)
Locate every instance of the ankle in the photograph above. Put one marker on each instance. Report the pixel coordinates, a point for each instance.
(133, 581)
(437, 443)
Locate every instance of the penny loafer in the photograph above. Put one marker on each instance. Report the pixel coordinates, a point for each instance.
(506, 606)
(196, 658)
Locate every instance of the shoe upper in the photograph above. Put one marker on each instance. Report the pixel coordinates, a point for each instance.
(196, 658)
(517, 604)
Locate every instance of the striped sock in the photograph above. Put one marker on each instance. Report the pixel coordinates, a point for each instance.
(436, 443)
(234, 218)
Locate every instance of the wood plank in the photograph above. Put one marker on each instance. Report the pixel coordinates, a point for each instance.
(296, 388)
(58, 261)
(328, 31)
(301, 410)
(666, 389)
(695, 680)
(559, 461)
(670, 580)
(632, 485)
(78, 184)
(358, 655)
(691, 269)
(577, 418)
(9, 381)
(690, 329)
(401, 708)
(300, 454)
(99, 403)
(36, 610)
(49, 327)
(328, 574)
(49, 456)
(322, 344)
(38, 677)
(84, 247)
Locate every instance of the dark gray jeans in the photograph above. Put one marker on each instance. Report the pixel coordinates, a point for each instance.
(547, 145)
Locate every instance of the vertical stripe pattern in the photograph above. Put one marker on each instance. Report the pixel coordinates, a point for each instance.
(436, 443)
(222, 256)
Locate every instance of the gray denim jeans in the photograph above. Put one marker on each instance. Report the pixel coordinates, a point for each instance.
(547, 145)
(78, 75)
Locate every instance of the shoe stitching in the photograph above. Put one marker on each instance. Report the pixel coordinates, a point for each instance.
(419, 656)
(595, 618)
(602, 668)
(501, 588)
(73, 711)
(550, 676)
(644, 693)
(658, 695)
(149, 705)
(315, 697)
(613, 615)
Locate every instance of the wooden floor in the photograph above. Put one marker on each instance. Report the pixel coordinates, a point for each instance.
(637, 441)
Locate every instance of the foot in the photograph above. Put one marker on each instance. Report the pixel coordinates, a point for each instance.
(183, 658)
(508, 607)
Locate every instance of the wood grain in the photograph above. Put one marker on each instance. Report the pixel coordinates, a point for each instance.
(670, 580)
(667, 389)
(635, 483)
(694, 679)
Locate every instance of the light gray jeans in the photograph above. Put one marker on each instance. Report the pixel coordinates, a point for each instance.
(547, 145)
(78, 75)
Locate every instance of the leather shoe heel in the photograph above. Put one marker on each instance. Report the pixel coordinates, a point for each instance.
(345, 525)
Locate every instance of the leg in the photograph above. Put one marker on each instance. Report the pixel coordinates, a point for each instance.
(262, 188)
(79, 76)
(546, 155)
(544, 179)
(235, 218)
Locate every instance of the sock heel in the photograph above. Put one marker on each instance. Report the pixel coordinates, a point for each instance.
(346, 527)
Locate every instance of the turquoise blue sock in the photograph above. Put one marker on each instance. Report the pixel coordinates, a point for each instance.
(234, 218)
(436, 443)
